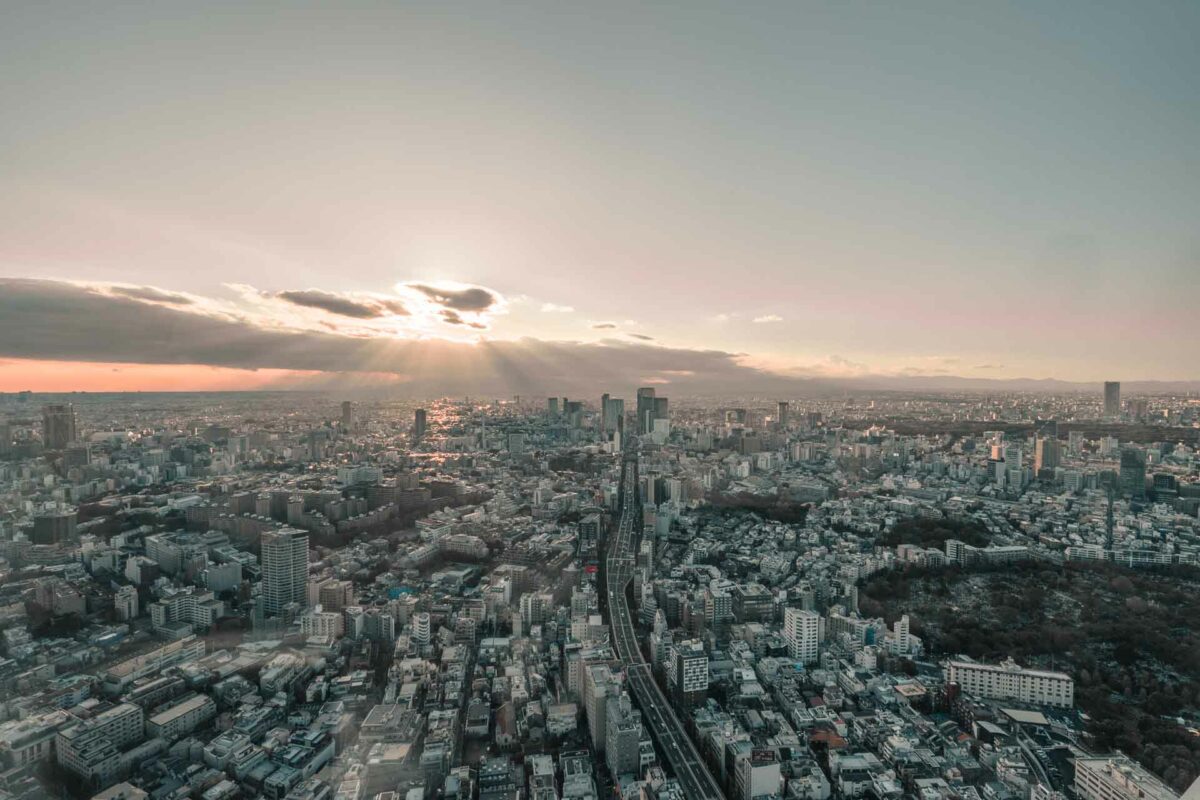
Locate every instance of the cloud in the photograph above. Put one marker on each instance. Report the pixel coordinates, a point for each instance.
(989, 366)
(468, 298)
(554, 308)
(641, 336)
(604, 326)
(151, 294)
(454, 318)
(769, 318)
(62, 321)
(343, 305)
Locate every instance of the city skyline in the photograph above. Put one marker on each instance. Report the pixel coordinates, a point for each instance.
(812, 192)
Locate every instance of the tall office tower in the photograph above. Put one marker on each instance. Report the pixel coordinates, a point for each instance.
(613, 413)
(1112, 398)
(58, 426)
(645, 409)
(1045, 454)
(1133, 472)
(348, 415)
(802, 631)
(5, 438)
(661, 410)
(782, 414)
(604, 413)
(552, 406)
(284, 569)
(420, 423)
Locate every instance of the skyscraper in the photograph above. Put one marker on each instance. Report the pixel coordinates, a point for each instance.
(419, 424)
(284, 569)
(781, 416)
(1112, 398)
(348, 415)
(645, 409)
(58, 426)
(613, 412)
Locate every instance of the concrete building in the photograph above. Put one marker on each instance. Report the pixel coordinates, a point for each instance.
(689, 672)
(91, 750)
(1009, 681)
(623, 734)
(182, 717)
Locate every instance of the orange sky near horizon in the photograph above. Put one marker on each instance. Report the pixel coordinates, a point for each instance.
(18, 375)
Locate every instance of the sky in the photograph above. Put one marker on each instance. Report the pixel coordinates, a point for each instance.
(505, 195)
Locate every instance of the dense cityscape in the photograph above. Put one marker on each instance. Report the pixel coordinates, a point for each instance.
(549, 400)
(298, 596)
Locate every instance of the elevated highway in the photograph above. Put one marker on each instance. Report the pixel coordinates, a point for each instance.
(659, 717)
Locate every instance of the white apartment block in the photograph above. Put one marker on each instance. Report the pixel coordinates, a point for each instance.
(1009, 681)
(802, 631)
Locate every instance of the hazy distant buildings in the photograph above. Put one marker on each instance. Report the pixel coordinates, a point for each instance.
(58, 426)
(1112, 398)
(284, 569)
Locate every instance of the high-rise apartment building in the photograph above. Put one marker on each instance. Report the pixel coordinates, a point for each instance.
(284, 569)
(58, 426)
(1112, 398)
(802, 631)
